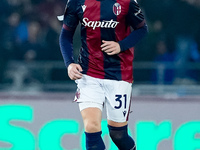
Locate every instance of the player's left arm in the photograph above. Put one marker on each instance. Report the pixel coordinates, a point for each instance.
(136, 20)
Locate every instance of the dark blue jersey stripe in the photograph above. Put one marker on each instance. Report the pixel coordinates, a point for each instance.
(83, 58)
(84, 54)
(111, 63)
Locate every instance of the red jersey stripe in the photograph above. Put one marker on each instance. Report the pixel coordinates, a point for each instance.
(93, 40)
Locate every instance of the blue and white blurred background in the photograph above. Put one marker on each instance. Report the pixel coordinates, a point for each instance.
(36, 108)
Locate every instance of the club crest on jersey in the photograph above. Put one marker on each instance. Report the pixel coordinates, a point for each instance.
(116, 9)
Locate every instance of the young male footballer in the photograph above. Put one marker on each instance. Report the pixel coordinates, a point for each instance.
(104, 72)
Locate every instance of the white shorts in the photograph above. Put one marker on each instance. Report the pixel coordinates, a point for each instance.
(115, 95)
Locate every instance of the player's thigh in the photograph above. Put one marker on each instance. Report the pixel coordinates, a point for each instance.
(92, 119)
(118, 101)
(117, 124)
(90, 98)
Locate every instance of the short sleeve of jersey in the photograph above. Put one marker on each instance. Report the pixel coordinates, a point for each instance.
(70, 17)
(135, 15)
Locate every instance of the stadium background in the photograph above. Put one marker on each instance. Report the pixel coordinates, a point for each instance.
(36, 109)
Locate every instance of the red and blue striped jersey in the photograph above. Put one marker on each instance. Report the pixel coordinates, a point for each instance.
(108, 20)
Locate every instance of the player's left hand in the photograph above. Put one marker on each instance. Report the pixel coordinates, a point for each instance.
(110, 47)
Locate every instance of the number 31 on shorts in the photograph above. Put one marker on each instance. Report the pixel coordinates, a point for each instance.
(122, 101)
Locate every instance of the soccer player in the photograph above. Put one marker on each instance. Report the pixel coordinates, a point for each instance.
(104, 72)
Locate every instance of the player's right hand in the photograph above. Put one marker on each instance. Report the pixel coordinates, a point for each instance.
(74, 71)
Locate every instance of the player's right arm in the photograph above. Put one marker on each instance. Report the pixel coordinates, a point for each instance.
(70, 23)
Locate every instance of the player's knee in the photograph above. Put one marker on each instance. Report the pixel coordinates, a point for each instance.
(120, 137)
(117, 133)
(116, 136)
(92, 126)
